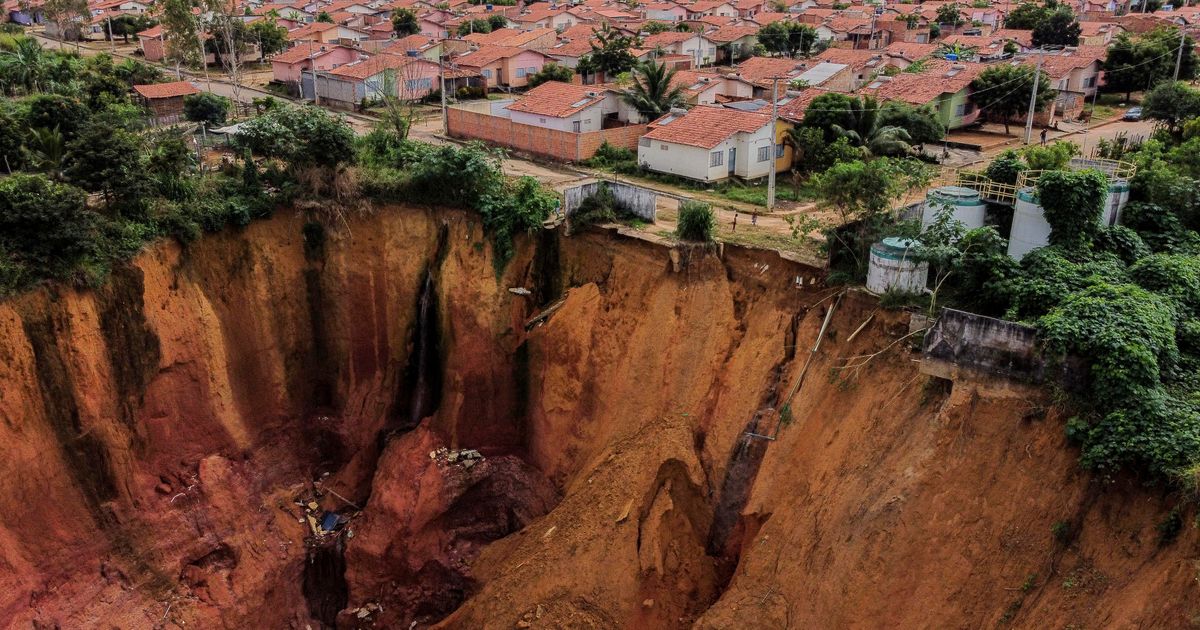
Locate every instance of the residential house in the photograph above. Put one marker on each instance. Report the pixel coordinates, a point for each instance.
(701, 49)
(749, 8)
(164, 101)
(711, 144)
(434, 29)
(944, 86)
(535, 39)
(836, 77)
(24, 13)
(903, 54)
(415, 45)
(863, 66)
(1098, 33)
(734, 43)
(287, 66)
(569, 107)
(664, 12)
(701, 8)
(542, 16)
(378, 76)
(327, 33)
(1075, 74)
(151, 43)
(568, 51)
(760, 72)
(503, 66)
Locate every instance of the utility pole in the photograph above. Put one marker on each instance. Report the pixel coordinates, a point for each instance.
(442, 75)
(1037, 75)
(774, 143)
(1179, 56)
(113, 43)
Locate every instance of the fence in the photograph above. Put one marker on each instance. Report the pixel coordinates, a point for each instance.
(640, 202)
(560, 145)
(984, 344)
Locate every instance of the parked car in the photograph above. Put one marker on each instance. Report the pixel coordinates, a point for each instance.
(1133, 113)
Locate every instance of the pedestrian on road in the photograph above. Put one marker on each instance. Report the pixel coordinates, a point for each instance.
(1044, 132)
(735, 220)
(754, 219)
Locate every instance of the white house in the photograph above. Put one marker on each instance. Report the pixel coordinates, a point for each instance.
(699, 48)
(570, 107)
(711, 144)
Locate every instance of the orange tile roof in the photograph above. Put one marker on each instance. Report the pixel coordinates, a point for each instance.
(706, 127)
(910, 50)
(153, 32)
(792, 108)
(166, 90)
(731, 33)
(558, 99)
(371, 66)
(941, 77)
(304, 50)
(756, 69)
(489, 54)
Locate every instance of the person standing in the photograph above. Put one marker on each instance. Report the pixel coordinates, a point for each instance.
(735, 220)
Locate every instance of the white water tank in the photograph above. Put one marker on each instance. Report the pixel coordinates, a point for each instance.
(1029, 227)
(963, 202)
(1118, 196)
(894, 267)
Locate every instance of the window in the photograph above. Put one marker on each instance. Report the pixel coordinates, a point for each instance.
(1090, 82)
(541, 120)
(531, 70)
(716, 158)
(417, 85)
(520, 73)
(960, 110)
(778, 151)
(645, 142)
(487, 74)
(662, 147)
(764, 154)
(576, 126)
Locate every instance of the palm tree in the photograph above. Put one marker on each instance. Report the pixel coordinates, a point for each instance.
(864, 130)
(45, 150)
(959, 51)
(651, 93)
(23, 66)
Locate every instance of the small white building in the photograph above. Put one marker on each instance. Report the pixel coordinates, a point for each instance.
(710, 144)
(570, 107)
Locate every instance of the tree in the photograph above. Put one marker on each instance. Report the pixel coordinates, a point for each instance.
(106, 160)
(787, 38)
(128, 24)
(1003, 91)
(551, 72)
(1172, 104)
(44, 151)
(24, 66)
(324, 16)
(1140, 63)
(206, 107)
(956, 51)
(497, 21)
(302, 136)
(1006, 168)
(1060, 28)
(1026, 16)
(610, 53)
(229, 42)
(66, 14)
(654, 27)
(180, 37)
(950, 15)
(1072, 202)
(1052, 157)
(474, 26)
(865, 130)
(404, 23)
(134, 72)
(10, 142)
(828, 111)
(271, 37)
(67, 113)
(45, 224)
(651, 93)
(921, 123)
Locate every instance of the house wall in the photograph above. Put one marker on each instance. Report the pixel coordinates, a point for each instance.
(529, 60)
(680, 159)
(337, 92)
(669, 15)
(152, 48)
(947, 110)
(290, 73)
(747, 165)
(472, 123)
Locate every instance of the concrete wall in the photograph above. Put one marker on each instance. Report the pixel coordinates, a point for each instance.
(640, 202)
(961, 340)
(560, 145)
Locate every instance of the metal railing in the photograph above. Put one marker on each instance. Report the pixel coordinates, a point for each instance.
(988, 189)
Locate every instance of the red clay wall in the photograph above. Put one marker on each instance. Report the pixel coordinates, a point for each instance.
(560, 145)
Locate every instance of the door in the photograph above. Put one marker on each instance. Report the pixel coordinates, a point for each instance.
(732, 158)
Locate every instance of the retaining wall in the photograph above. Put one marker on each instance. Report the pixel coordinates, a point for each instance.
(560, 145)
(961, 340)
(635, 200)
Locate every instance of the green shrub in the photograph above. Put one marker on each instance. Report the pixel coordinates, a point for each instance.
(44, 225)
(600, 207)
(697, 222)
(206, 107)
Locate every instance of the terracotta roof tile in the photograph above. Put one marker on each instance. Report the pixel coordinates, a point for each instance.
(304, 50)
(706, 127)
(489, 54)
(941, 77)
(558, 99)
(166, 90)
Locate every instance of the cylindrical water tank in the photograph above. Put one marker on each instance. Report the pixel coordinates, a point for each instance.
(1118, 196)
(963, 202)
(1029, 227)
(894, 267)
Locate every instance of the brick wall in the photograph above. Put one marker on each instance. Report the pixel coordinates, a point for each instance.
(560, 145)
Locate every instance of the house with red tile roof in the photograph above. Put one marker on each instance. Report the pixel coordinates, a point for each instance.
(383, 75)
(151, 43)
(535, 39)
(503, 66)
(417, 44)
(570, 107)
(287, 65)
(734, 43)
(711, 144)
(1076, 74)
(664, 12)
(943, 85)
(164, 101)
(327, 33)
(702, 50)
